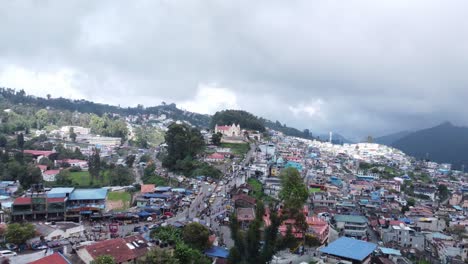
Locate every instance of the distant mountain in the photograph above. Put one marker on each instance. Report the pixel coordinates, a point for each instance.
(391, 138)
(444, 143)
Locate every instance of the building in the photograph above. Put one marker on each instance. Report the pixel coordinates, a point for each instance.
(55, 258)
(245, 216)
(215, 157)
(229, 131)
(244, 201)
(123, 250)
(322, 199)
(65, 130)
(350, 250)
(404, 236)
(60, 230)
(84, 202)
(352, 225)
(38, 206)
(49, 175)
(319, 228)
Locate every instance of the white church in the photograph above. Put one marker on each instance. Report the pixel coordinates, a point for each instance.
(229, 131)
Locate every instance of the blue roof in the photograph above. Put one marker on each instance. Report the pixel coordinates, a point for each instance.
(162, 189)
(89, 194)
(156, 195)
(217, 252)
(390, 251)
(178, 190)
(59, 192)
(350, 248)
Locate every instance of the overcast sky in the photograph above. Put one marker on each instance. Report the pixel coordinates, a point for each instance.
(354, 67)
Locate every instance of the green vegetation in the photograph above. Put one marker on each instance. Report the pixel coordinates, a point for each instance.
(183, 145)
(125, 197)
(18, 234)
(257, 188)
(147, 136)
(237, 149)
(245, 119)
(294, 191)
(81, 178)
(187, 248)
(104, 259)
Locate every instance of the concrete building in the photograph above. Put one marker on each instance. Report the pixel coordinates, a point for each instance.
(404, 236)
(352, 225)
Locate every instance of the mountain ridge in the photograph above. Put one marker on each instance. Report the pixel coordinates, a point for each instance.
(444, 143)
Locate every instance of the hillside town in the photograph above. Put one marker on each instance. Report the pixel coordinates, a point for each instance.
(84, 196)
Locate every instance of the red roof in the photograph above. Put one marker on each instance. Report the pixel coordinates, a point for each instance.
(56, 200)
(51, 172)
(244, 197)
(55, 258)
(38, 152)
(147, 188)
(42, 167)
(215, 156)
(223, 127)
(118, 248)
(22, 200)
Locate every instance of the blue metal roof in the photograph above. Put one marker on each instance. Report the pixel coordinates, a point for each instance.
(156, 195)
(59, 192)
(217, 252)
(89, 194)
(390, 251)
(350, 248)
(162, 189)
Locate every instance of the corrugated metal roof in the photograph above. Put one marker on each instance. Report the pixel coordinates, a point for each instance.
(59, 192)
(351, 218)
(390, 251)
(350, 248)
(89, 194)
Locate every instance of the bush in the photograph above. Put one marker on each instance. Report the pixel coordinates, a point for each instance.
(75, 168)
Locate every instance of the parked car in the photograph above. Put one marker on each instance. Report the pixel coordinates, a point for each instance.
(169, 214)
(7, 253)
(11, 246)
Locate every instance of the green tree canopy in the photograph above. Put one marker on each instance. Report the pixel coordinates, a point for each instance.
(293, 189)
(196, 236)
(104, 259)
(182, 142)
(245, 119)
(159, 256)
(18, 234)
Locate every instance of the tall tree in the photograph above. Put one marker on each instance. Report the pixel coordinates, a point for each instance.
(20, 141)
(72, 134)
(129, 160)
(182, 142)
(94, 164)
(216, 138)
(293, 189)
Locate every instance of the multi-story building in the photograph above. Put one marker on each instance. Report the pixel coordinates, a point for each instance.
(352, 225)
(322, 199)
(404, 236)
(59, 204)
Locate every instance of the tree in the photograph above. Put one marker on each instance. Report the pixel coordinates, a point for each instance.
(18, 234)
(94, 165)
(120, 176)
(104, 259)
(443, 192)
(20, 141)
(293, 189)
(216, 138)
(186, 254)
(159, 256)
(306, 133)
(182, 142)
(3, 141)
(63, 178)
(32, 176)
(48, 96)
(196, 236)
(72, 134)
(130, 160)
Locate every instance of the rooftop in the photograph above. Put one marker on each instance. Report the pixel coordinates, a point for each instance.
(89, 194)
(350, 248)
(55, 258)
(351, 219)
(59, 192)
(122, 249)
(147, 188)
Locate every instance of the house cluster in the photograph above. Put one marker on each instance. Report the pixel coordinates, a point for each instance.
(396, 208)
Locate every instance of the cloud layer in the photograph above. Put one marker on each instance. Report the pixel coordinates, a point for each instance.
(356, 67)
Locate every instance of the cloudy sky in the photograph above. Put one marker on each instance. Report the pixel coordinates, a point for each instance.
(355, 67)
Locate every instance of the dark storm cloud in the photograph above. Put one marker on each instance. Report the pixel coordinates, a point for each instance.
(357, 67)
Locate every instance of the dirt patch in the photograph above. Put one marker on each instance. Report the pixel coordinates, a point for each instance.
(114, 205)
